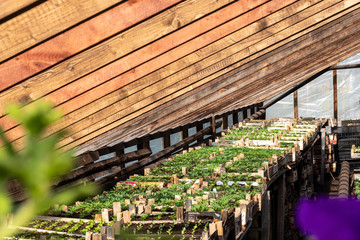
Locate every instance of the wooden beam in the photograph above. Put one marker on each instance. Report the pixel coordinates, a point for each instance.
(295, 36)
(281, 208)
(244, 114)
(274, 89)
(155, 157)
(335, 98)
(199, 127)
(311, 50)
(235, 117)
(296, 109)
(185, 134)
(77, 39)
(38, 23)
(112, 49)
(102, 165)
(232, 97)
(225, 121)
(166, 140)
(97, 77)
(9, 7)
(252, 109)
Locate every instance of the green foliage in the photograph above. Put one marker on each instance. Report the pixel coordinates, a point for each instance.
(35, 166)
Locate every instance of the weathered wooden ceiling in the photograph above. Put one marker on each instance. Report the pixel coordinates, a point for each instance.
(123, 69)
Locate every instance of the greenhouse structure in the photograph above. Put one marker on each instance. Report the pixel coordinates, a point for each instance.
(193, 119)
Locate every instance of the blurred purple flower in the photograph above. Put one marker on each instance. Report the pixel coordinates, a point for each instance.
(329, 219)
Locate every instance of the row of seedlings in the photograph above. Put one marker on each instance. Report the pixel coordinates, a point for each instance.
(201, 193)
(192, 195)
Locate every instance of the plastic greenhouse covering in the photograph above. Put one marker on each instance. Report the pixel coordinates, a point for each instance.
(316, 98)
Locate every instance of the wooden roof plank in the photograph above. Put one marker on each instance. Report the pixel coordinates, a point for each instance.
(77, 39)
(142, 70)
(155, 93)
(92, 80)
(43, 21)
(10, 6)
(118, 46)
(288, 70)
(172, 106)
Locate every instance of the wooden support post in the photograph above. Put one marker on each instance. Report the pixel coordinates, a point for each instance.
(199, 127)
(296, 108)
(335, 94)
(281, 208)
(244, 113)
(213, 127)
(225, 121)
(121, 152)
(166, 139)
(252, 109)
(185, 134)
(235, 117)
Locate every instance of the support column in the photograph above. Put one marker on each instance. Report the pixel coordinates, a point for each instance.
(265, 217)
(281, 209)
(244, 113)
(199, 127)
(225, 122)
(335, 94)
(296, 109)
(235, 117)
(185, 134)
(213, 126)
(166, 139)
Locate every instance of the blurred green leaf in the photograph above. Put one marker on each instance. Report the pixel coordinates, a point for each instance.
(35, 166)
